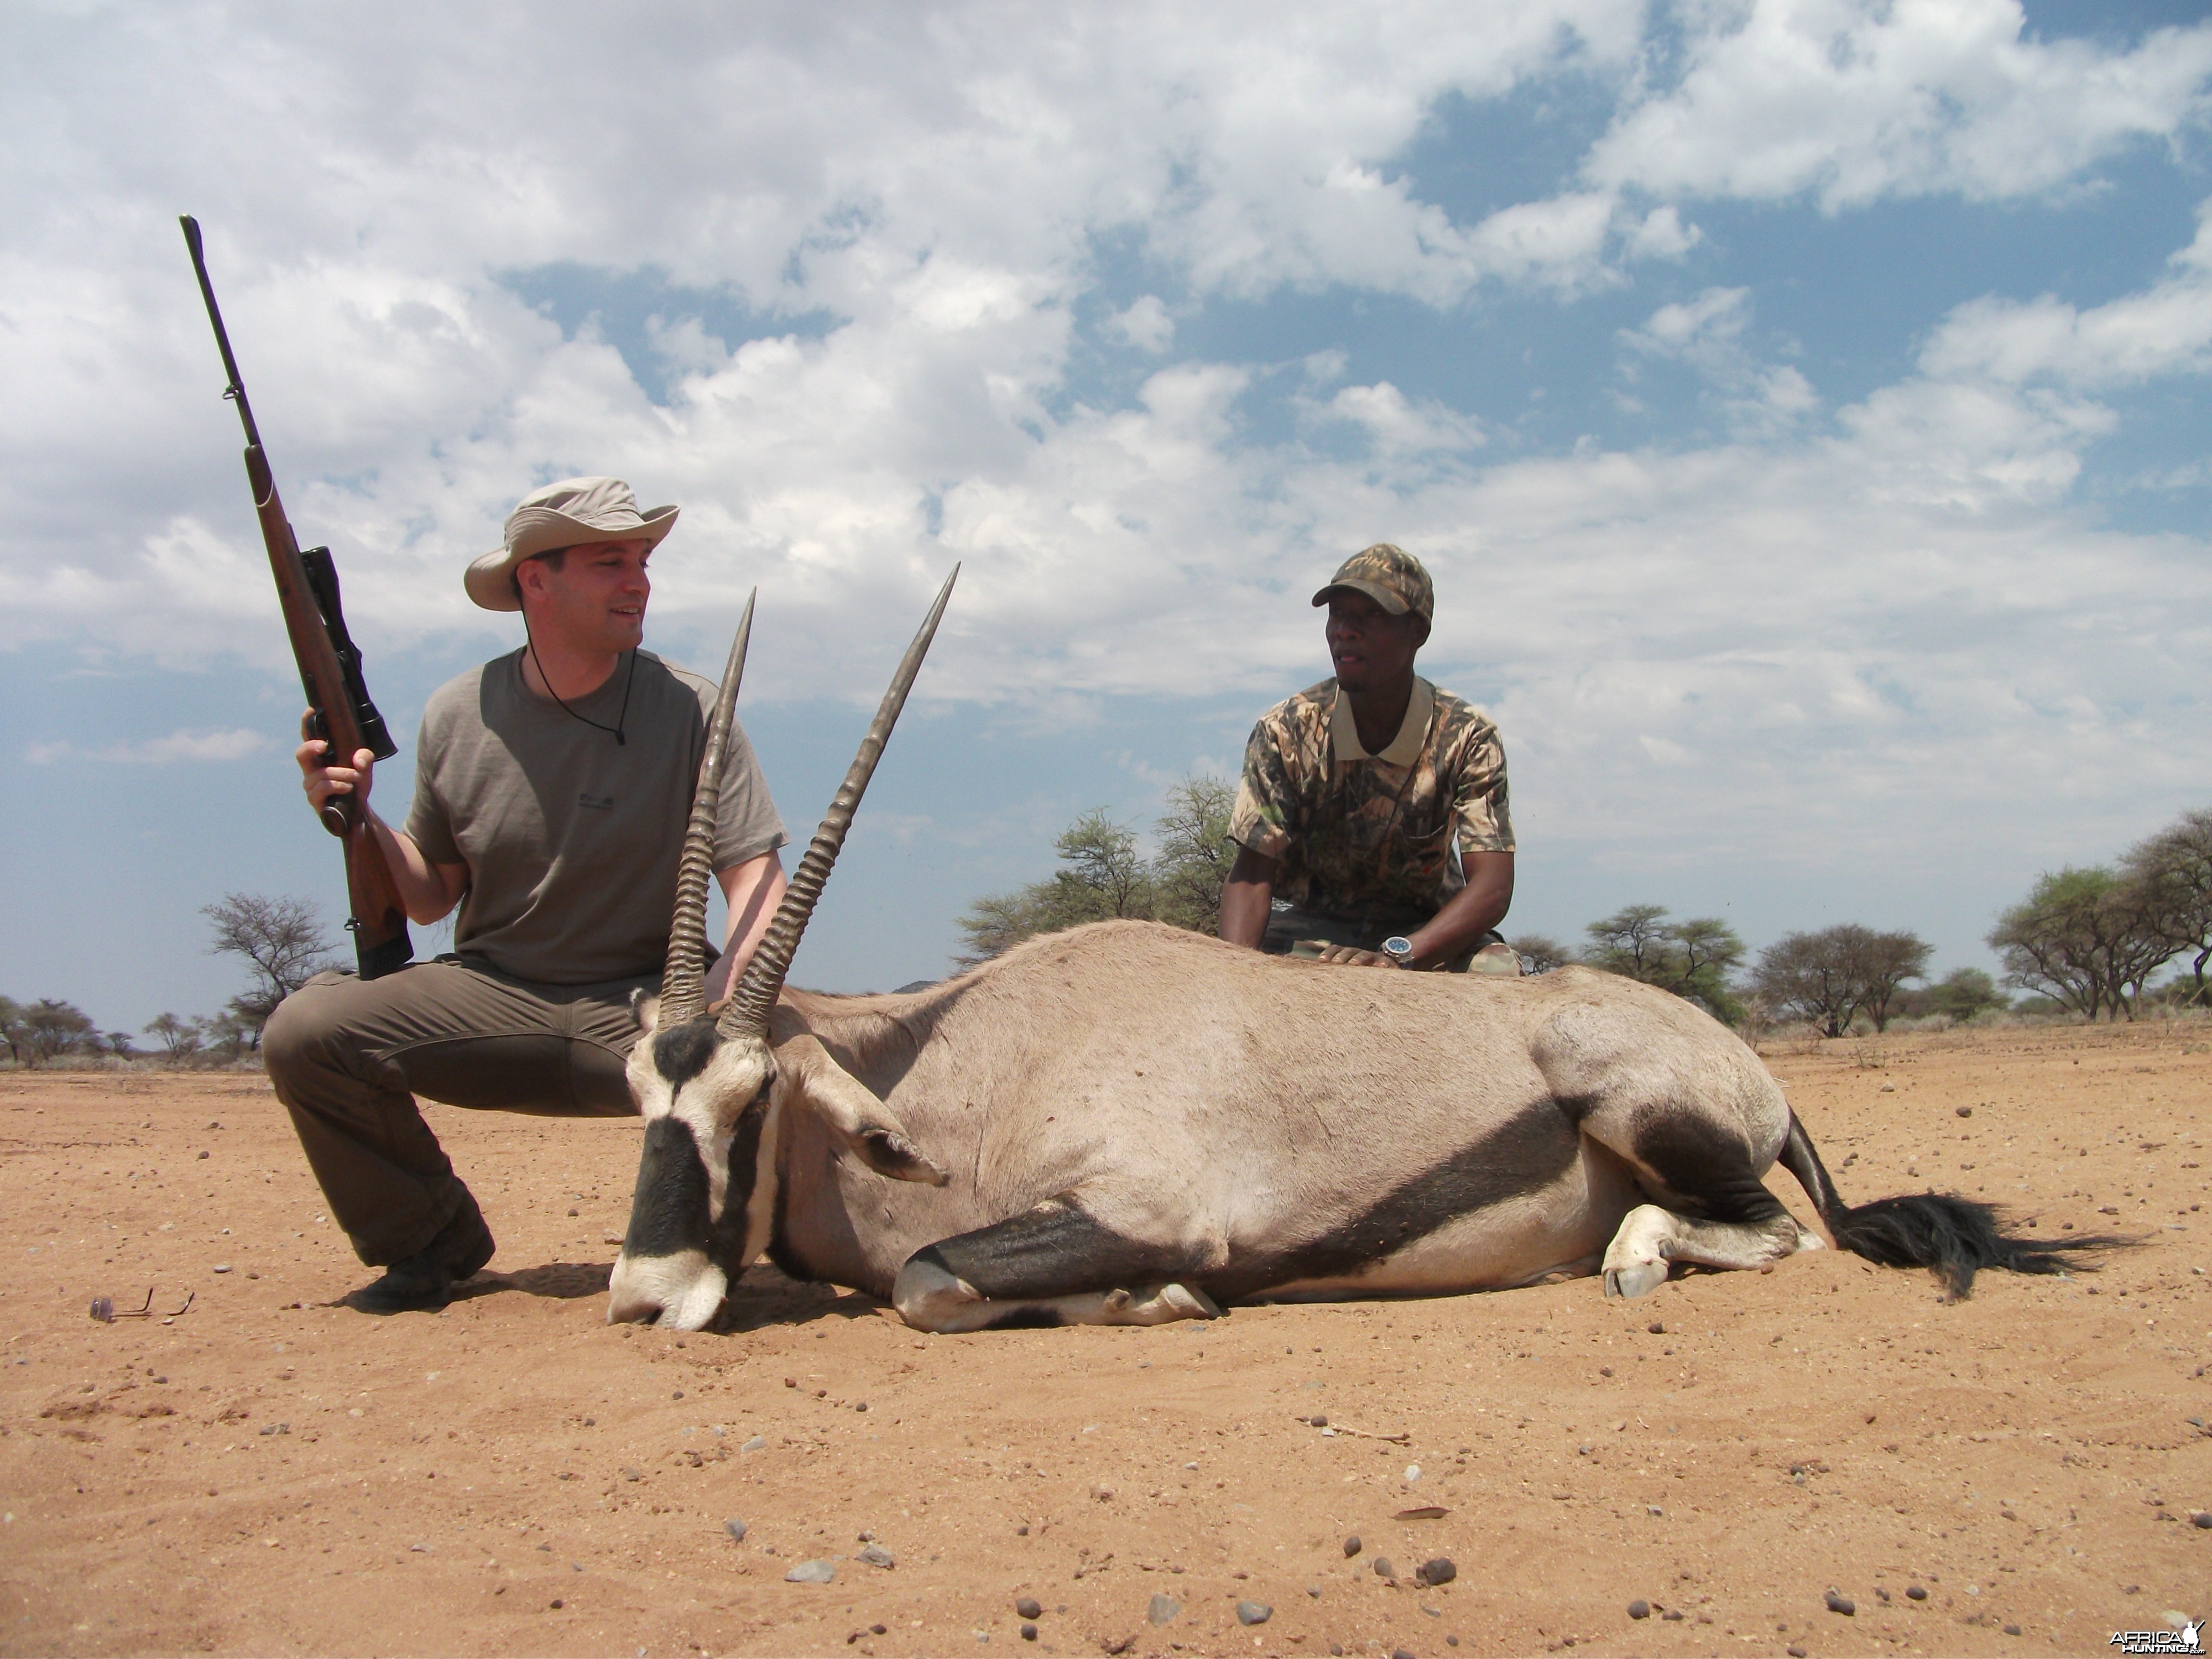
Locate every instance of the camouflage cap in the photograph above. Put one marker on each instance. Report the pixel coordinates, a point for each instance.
(1390, 576)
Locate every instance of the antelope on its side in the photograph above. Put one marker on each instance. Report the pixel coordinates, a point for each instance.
(1127, 1123)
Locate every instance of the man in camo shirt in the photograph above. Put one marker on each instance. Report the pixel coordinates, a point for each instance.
(1374, 803)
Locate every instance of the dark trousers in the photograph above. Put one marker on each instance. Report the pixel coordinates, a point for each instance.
(348, 1058)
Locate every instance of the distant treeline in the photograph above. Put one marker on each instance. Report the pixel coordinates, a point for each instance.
(2086, 941)
(2089, 942)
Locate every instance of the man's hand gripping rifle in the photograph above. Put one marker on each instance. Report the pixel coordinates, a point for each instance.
(329, 668)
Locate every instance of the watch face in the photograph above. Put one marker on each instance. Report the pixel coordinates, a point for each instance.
(1398, 949)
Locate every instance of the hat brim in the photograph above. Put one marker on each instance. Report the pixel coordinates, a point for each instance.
(490, 579)
(1383, 596)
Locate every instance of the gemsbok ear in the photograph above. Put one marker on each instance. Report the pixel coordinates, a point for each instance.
(853, 1114)
(647, 1009)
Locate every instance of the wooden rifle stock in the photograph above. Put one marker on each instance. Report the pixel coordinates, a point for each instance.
(342, 714)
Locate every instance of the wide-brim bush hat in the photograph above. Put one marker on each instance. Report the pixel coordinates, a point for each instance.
(568, 514)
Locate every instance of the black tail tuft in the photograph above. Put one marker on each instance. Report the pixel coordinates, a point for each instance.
(1955, 1236)
(1958, 1238)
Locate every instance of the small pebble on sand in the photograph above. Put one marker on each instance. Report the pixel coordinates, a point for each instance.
(735, 1527)
(1384, 1569)
(1352, 1546)
(1254, 1612)
(1916, 1593)
(1029, 1607)
(1162, 1609)
(811, 1572)
(1657, 1327)
(1440, 1570)
(877, 1556)
(1842, 1604)
(1639, 1609)
(1029, 1632)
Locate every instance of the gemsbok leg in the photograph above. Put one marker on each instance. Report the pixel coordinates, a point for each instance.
(1051, 1265)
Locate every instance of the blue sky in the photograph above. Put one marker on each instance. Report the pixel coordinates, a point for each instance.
(1802, 406)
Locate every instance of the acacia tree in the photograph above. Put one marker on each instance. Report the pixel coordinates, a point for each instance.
(281, 940)
(1692, 958)
(47, 1029)
(1963, 993)
(1885, 961)
(2085, 938)
(180, 1039)
(2170, 874)
(1834, 975)
(1195, 854)
(1103, 875)
(1539, 953)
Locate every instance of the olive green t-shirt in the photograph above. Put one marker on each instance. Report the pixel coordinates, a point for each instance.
(571, 839)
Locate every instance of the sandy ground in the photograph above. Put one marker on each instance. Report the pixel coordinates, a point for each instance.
(271, 1473)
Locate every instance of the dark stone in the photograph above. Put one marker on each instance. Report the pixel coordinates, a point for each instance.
(1964, 1111)
(1352, 1546)
(877, 1556)
(1657, 1327)
(2201, 1518)
(1842, 1604)
(1318, 1421)
(1639, 1608)
(1437, 1571)
(1916, 1593)
(1029, 1607)
(1254, 1612)
(1029, 1632)
(735, 1527)
(2012, 1630)
(1384, 1569)
(1161, 1609)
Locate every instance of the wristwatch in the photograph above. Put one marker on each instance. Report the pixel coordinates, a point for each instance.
(1399, 949)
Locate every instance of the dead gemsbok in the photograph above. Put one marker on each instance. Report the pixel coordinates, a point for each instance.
(1127, 1123)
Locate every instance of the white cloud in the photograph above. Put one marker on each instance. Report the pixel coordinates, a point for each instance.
(179, 745)
(1855, 99)
(2165, 330)
(1145, 324)
(1399, 429)
(1855, 629)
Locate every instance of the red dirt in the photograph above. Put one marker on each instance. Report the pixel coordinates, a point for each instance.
(271, 1473)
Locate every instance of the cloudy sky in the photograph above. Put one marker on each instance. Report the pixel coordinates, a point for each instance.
(1801, 404)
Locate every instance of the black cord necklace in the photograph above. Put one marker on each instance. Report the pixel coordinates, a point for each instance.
(621, 719)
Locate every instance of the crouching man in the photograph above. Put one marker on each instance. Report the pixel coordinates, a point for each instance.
(1371, 823)
(552, 787)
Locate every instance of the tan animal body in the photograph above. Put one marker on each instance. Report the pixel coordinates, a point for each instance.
(1127, 1123)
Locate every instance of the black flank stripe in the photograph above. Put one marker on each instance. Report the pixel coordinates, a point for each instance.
(1521, 1155)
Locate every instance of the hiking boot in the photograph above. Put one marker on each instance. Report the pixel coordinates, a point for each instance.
(424, 1281)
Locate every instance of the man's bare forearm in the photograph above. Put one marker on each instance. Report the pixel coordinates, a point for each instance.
(1472, 912)
(1246, 897)
(429, 890)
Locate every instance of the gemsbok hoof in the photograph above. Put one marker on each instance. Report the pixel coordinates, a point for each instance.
(1640, 1280)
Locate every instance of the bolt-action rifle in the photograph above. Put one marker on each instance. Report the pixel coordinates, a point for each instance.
(329, 669)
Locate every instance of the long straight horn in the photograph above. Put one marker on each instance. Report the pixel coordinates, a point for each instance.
(683, 980)
(755, 998)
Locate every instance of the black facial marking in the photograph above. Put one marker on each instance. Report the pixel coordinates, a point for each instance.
(1055, 1249)
(729, 1240)
(680, 1053)
(1706, 1169)
(668, 1213)
(1522, 1155)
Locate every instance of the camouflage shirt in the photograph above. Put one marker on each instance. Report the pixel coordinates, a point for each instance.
(1354, 831)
